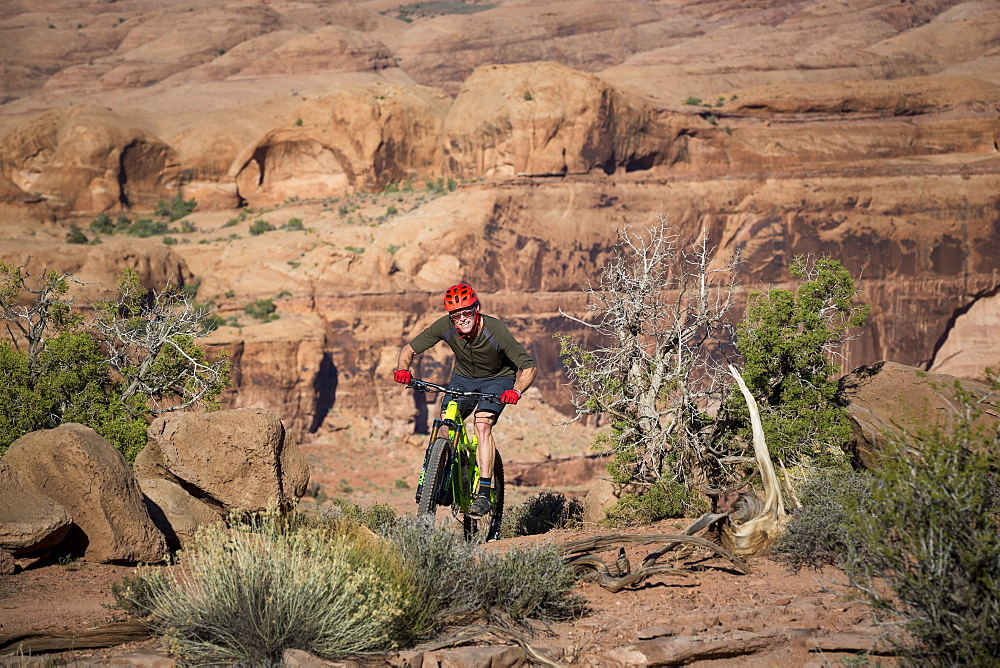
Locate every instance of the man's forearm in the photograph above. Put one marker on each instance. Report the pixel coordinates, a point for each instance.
(405, 357)
(524, 379)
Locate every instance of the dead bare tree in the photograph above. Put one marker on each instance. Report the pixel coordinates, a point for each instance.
(660, 307)
(755, 522)
(149, 341)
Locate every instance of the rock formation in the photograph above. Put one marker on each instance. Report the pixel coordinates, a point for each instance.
(30, 522)
(887, 401)
(238, 459)
(69, 490)
(866, 132)
(78, 469)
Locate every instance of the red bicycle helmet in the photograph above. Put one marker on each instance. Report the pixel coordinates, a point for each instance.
(459, 296)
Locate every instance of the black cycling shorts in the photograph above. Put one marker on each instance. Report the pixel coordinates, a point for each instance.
(467, 405)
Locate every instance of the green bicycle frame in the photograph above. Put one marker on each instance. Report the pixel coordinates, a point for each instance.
(464, 474)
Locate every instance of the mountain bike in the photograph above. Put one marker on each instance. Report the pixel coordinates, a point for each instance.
(450, 474)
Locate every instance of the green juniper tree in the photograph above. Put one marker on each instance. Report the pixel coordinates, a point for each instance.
(133, 357)
(789, 340)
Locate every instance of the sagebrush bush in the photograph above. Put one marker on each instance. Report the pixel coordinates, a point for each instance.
(818, 534)
(260, 226)
(465, 581)
(380, 517)
(934, 540)
(245, 596)
(524, 584)
(541, 513)
(442, 563)
(664, 499)
(136, 594)
(331, 586)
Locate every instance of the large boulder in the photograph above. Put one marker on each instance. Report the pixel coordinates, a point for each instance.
(30, 522)
(237, 459)
(176, 512)
(76, 467)
(887, 400)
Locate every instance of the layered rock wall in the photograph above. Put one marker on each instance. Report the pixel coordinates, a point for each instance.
(534, 131)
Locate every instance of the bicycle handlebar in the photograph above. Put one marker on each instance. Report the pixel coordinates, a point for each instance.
(427, 386)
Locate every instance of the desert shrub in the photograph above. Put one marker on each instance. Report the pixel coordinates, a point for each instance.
(663, 499)
(262, 309)
(211, 322)
(380, 517)
(443, 564)
(244, 596)
(146, 227)
(330, 586)
(293, 225)
(935, 541)
(819, 532)
(71, 383)
(523, 584)
(541, 513)
(136, 594)
(176, 208)
(133, 355)
(102, 224)
(260, 226)
(462, 581)
(438, 7)
(76, 235)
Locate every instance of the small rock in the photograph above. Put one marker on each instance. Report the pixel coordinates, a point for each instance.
(657, 632)
(7, 563)
(143, 659)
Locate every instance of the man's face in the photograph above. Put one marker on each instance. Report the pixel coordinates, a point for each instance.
(464, 319)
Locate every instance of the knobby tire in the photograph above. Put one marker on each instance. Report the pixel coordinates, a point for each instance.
(438, 462)
(487, 528)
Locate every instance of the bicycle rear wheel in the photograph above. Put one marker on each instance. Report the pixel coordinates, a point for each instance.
(487, 527)
(438, 461)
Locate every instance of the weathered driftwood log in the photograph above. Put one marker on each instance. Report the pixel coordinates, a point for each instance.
(108, 635)
(754, 534)
(578, 554)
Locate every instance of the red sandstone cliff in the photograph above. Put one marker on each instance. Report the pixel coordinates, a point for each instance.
(867, 131)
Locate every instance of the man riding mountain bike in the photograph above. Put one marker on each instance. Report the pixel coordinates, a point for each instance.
(487, 359)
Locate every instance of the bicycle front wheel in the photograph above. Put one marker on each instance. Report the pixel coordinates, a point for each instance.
(438, 461)
(487, 527)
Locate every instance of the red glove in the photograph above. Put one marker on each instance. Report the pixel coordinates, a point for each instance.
(510, 396)
(402, 376)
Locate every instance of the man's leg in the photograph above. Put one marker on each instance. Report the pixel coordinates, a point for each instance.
(485, 454)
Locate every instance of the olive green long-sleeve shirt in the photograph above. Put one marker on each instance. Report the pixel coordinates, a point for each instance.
(492, 353)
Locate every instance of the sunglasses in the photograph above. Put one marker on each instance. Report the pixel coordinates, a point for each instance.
(467, 314)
